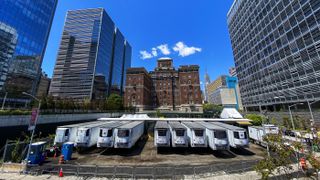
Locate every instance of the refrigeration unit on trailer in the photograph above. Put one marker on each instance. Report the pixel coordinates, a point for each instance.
(217, 137)
(107, 135)
(162, 134)
(87, 136)
(128, 134)
(179, 136)
(256, 133)
(237, 136)
(68, 133)
(196, 134)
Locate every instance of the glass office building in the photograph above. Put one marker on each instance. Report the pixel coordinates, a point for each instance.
(8, 41)
(84, 65)
(276, 47)
(25, 27)
(118, 62)
(126, 65)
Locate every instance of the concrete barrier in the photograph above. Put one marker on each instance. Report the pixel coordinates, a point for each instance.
(13, 167)
(23, 120)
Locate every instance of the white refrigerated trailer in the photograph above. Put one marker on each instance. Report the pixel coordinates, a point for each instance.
(196, 134)
(256, 133)
(87, 136)
(179, 136)
(68, 133)
(216, 136)
(107, 135)
(162, 134)
(127, 135)
(237, 136)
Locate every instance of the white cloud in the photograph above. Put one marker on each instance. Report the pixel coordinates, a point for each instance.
(145, 55)
(164, 49)
(184, 50)
(154, 52)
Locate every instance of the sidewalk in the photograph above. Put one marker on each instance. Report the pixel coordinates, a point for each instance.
(251, 175)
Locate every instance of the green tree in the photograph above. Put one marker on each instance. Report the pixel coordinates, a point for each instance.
(282, 159)
(274, 121)
(257, 120)
(15, 153)
(212, 108)
(286, 123)
(50, 102)
(44, 104)
(114, 102)
(159, 114)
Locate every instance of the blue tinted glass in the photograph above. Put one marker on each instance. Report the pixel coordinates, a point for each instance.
(25, 27)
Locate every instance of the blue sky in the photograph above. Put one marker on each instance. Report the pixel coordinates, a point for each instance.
(194, 31)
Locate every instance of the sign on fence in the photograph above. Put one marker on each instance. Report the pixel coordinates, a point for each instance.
(33, 119)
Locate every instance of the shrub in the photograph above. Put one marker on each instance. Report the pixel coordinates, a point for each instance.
(257, 120)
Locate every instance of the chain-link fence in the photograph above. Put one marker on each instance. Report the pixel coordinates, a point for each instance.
(146, 172)
(14, 151)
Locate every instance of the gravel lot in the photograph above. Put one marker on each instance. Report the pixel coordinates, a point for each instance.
(144, 153)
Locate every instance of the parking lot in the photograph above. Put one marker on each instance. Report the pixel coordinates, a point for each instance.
(145, 153)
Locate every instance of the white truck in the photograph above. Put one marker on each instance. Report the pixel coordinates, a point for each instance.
(237, 136)
(87, 136)
(216, 136)
(107, 135)
(179, 136)
(257, 133)
(68, 133)
(196, 134)
(162, 134)
(127, 135)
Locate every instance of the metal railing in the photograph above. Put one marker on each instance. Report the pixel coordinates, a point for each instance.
(149, 172)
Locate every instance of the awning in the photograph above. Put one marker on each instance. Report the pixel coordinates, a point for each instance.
(244, 123)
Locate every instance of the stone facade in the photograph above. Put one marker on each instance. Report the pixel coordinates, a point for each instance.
(165, 88)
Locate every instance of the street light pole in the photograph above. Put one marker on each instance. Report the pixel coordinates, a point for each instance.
(4, 101)
(291, 118)
(293, 126)
(35, 124)
(312, 121)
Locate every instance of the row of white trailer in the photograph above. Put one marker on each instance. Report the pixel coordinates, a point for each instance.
(117, 134)
(216, 135)
(124, 134)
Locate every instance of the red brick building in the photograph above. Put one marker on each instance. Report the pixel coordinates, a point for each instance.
(165, 88)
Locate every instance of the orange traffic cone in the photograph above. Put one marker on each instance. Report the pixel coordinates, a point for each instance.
(60, 173)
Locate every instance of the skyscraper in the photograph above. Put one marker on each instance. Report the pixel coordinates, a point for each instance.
(91, 50)
(28, 22)
(8, 41)
(276, 47)
(118, 62)
(207, 81)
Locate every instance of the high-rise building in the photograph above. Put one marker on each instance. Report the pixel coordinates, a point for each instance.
(225, 91)
(91, 50)
(43, 86)
(126, 65)
(29, 22)
(165, 88)
(121, 61)
(233, 72)
(276, 47)
(207, 81)
(8, 41)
